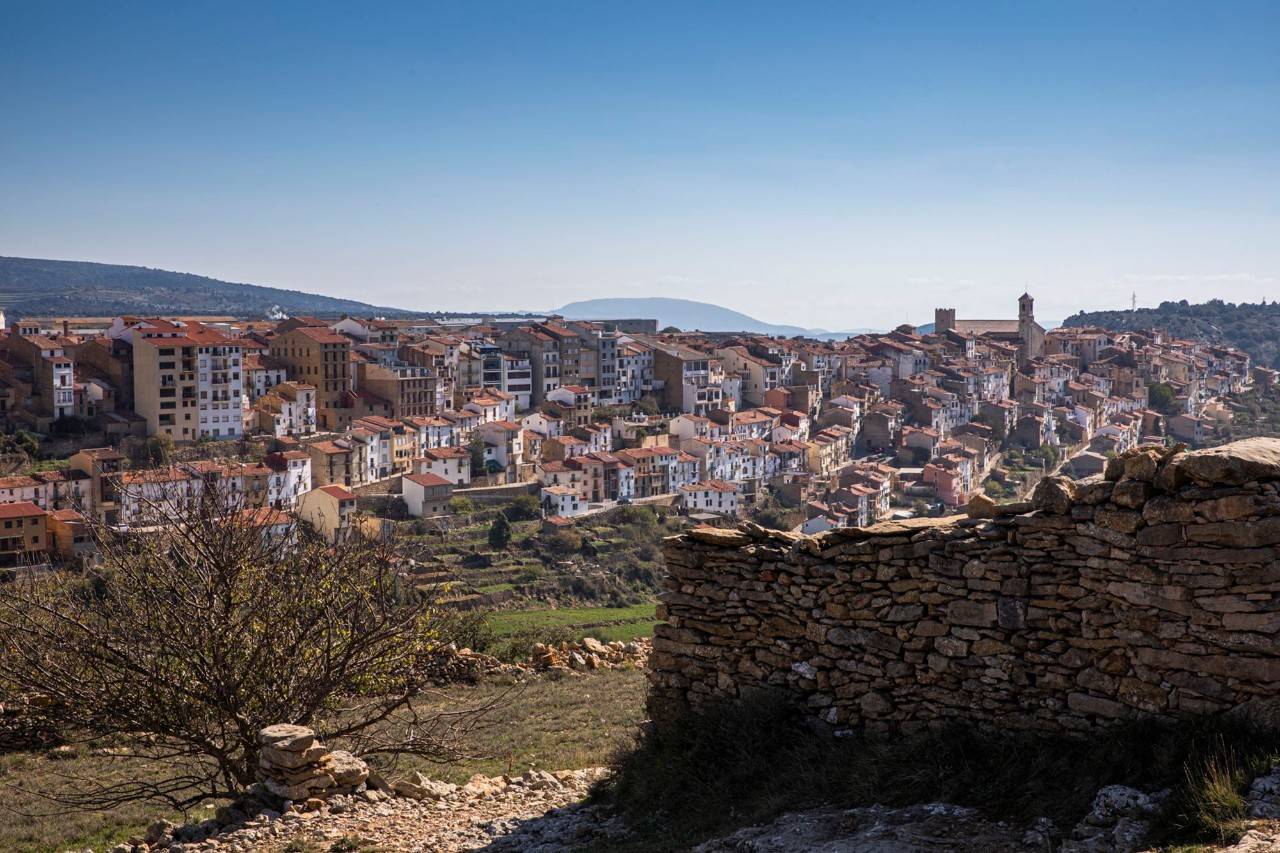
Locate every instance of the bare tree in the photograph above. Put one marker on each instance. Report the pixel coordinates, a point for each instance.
(209, 621)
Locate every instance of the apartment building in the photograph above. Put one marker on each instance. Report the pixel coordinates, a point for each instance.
(410, 390)
(44, 370)
(451, 463)
(339, 462)
(109, 360)
(691, 381)
(165, 385)
(290, 477)
(635, 372)
(219, 384)
(539, 349)
(289, 409)
(486, 365)
(260, 374)
(757, 375)
(606, 477)
(23, 534)
(710, 496)
(397, 445)
(187, 378)
(321, 357)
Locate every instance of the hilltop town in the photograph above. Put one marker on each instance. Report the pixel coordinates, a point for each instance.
(308, 415)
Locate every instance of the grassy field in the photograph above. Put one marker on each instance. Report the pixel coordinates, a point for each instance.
(552, 724)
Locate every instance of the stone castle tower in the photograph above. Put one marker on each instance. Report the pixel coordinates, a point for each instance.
(943, 319)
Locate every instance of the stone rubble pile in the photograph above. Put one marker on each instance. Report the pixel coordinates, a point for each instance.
(1151, 591)
(454, 665)
(293, 766)
(590, 653)
(538, 812)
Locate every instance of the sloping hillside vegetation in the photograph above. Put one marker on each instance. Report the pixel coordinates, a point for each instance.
(34, 287)
(1254, 328)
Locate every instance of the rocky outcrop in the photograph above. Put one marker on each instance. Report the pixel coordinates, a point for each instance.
(1119, 821)
(1154, 590)
(880, 829)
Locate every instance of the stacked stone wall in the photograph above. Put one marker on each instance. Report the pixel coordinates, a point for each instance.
(1154, 591)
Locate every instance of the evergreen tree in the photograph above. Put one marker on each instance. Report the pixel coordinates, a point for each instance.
(500, 533)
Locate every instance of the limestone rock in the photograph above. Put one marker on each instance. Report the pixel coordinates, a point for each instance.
(1055, 495)
(1231, 464)
(270, 756)
(981, 506)
(1131, 493)
(719, 536)
(1141, 466)
(1119, 821)
(419, 787)
(286, 737)
(540, 780)
(347, 770)
(1263, 799)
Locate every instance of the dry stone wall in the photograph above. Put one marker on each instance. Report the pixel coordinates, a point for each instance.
(1154, 590)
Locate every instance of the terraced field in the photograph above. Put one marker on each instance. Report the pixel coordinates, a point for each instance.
(599, 578)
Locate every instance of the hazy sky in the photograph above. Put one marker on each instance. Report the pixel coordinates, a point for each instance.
(833, 165)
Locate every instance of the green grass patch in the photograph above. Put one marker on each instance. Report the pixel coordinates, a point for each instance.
(623, 633)
(508, 622)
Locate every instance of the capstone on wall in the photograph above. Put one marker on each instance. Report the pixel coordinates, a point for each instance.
(1153, 591)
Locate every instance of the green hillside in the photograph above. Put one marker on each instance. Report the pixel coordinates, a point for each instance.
(1254, 328)
(34, 287)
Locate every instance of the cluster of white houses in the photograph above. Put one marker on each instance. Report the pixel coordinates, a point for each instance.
(595, 413)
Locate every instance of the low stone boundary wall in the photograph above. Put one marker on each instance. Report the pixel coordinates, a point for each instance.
(1154, 591)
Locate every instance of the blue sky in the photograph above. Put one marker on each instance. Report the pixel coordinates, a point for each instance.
(835, 165)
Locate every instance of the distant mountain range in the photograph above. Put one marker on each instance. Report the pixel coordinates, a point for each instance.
(688, 315)
(33, 287)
